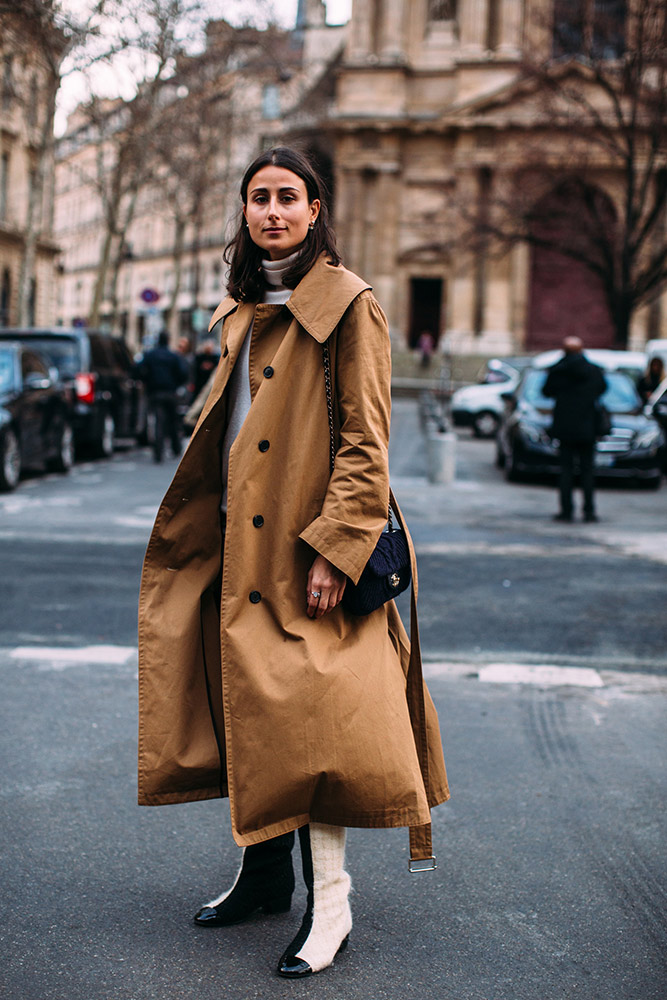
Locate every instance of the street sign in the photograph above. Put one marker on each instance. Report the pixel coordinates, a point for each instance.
(149, 295)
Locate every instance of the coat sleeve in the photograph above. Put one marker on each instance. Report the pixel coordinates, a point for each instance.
(354, 511)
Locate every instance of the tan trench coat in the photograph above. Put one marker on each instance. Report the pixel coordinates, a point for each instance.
(294, 719)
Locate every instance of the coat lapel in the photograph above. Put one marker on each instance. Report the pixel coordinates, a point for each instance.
(320, 313)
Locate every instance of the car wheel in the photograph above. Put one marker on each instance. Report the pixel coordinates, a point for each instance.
(10, 461)
(64, 460)
(107, 440)
(485, 424)
(651, 484)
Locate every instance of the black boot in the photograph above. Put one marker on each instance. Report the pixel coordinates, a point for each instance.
(325, 928)
(265, 882)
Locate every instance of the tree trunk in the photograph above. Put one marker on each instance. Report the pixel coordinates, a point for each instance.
(621, 315)
(93, 319)
(119, 256)
(34, 223)
(174, 319)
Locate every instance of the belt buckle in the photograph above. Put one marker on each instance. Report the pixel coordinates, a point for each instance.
(416, 865)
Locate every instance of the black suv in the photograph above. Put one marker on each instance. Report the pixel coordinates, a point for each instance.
(107, 400)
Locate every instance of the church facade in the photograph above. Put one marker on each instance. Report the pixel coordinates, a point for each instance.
(431, 119)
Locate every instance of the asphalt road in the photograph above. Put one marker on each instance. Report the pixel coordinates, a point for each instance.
(551, 879)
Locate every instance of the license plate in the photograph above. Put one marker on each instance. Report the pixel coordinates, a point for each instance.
(604, 461)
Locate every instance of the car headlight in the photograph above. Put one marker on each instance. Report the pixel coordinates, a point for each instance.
(648, 438)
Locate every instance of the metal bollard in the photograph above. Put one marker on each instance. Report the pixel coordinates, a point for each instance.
(441, 455)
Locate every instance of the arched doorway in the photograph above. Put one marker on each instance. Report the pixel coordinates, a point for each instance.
(566, 297)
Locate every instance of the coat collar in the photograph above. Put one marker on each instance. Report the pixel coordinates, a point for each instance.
(319, 300)
(322, 296)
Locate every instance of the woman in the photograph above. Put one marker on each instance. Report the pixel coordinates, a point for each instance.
(651, 379)
(254, 682)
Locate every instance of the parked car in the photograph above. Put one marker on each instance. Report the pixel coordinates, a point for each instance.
(634, 448)
(632, 363)
(481, 406)
(35, 430)
(107, 401)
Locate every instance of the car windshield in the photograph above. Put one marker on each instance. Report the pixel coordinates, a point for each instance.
(62, 352)
(6, 370)
(619, 397)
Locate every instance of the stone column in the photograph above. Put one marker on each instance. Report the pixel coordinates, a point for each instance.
(510, 27)
(473, 22)
(360, 39)
(392, 36)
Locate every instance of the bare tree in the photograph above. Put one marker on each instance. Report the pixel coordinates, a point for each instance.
(152, 33)
(192, 144)
(599, 147)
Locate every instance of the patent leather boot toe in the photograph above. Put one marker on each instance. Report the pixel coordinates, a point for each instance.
(292, 967)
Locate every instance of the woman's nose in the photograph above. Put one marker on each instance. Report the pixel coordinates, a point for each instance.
(273, 208)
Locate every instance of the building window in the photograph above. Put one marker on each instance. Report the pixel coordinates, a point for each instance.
(270, 101)
(4, 185)
(442, 10)
(592, 28)
(33, 102)
(7, 84)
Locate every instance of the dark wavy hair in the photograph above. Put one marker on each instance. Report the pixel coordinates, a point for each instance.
(246, 281)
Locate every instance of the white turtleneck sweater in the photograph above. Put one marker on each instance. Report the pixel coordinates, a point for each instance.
(239, 381)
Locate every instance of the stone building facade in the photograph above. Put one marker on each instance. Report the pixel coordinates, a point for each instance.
(24, 107)
(429, 119)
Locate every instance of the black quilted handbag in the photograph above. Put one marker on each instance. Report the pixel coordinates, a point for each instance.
(387, 573)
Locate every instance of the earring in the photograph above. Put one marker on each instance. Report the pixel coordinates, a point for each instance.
(311, 225)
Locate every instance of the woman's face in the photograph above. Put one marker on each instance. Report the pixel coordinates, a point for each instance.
(278, 212)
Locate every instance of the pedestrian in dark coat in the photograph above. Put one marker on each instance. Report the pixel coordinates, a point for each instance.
(255, 681)
(651, 378)
(576, 385)
(163, 373)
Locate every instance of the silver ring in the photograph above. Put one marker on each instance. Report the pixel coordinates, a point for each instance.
(315, 593)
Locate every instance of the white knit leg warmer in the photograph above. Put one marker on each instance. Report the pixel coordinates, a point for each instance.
(332, 918)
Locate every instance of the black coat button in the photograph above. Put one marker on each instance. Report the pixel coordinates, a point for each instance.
(264, 445)
(255, 597)
(268, 372)
(258, 520)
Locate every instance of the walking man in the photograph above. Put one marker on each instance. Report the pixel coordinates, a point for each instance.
(576, 385)
(163, 372)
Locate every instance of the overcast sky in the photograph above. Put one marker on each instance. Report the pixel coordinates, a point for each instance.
(72, 89)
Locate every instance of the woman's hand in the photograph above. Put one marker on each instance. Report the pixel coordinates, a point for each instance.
(325, 587)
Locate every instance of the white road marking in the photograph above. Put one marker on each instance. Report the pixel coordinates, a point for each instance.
(508, 549)
(544, 675)
(81, 654)
(130, 521)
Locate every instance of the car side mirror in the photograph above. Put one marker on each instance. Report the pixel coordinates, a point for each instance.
(36, 380)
